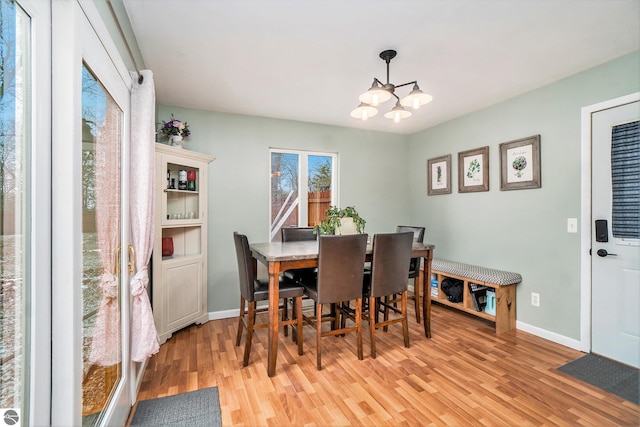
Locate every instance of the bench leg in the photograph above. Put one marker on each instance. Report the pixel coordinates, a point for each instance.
(505, 308)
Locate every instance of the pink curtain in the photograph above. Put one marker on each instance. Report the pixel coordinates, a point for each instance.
(105, 345)
(144, 336)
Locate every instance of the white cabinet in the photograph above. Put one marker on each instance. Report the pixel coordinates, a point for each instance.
(179, 277)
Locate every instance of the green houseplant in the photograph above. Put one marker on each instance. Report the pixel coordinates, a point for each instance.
(333, 217)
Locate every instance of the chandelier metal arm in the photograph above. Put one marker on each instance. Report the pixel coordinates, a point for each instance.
(407, 84)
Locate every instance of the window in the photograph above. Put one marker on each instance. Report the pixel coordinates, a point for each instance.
(303, 186)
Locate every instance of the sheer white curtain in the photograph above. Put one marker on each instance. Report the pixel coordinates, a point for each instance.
(105, 345)
(144, 336)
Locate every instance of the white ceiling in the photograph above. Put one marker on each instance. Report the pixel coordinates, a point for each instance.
(309, 60)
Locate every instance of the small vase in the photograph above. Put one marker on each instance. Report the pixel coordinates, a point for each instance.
(347, 226)
(167, 246)
(175, 141)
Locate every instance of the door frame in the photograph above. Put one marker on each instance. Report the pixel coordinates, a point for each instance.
(70, 20)
(585, 212)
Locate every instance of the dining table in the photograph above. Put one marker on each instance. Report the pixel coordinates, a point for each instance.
(281, 256)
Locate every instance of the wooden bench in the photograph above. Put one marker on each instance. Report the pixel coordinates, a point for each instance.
(502, 282)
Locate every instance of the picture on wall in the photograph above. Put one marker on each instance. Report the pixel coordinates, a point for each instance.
(520, 164)
(473, 170)
(439, 175)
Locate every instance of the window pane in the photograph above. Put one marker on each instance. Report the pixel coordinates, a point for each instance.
(284, 192)
(15, 140)
(625, 180)
(319, 191)
(101, 253)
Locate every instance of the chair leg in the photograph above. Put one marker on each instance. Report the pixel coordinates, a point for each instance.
(298, 314)
(285, 315)
(372, 325)
(240, 321)
(318, 335)
(250, 325)
(386, 311)
(416, 296)
(359, 327)
(405, 325)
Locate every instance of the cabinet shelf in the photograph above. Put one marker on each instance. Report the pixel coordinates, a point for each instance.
(173, 190)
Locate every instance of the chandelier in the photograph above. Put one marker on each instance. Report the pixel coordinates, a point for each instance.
(381, 92)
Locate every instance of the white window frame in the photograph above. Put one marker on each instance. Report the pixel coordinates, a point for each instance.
(303, 180)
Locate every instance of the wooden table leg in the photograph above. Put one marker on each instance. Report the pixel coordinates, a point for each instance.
(426, 295)
(274, 291)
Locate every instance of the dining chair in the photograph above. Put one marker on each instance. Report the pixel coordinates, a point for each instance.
(414, 266)
(299, 275)
(340, 278)
(298, 234)
(253, 290)
(389, 270)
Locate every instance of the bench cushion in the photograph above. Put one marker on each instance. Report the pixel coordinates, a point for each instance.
(473, 272)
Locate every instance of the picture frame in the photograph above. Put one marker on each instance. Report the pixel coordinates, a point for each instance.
(439, 175)
(520, 164)
(473, 170)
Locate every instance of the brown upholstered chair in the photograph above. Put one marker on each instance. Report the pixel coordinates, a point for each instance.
(414, 267)
(297, 234)
(340, 277)
(389, 270)
(253, 290)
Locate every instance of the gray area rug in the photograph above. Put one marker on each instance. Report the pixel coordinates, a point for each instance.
(199, 408)
(616, 378)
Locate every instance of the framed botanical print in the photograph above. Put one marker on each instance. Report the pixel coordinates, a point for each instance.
(439, 175)
(520, 164)
(473, 170)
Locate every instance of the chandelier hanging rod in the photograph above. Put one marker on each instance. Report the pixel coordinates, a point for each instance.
(380, 92)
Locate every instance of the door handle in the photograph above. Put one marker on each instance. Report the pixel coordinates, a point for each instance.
(603, 253)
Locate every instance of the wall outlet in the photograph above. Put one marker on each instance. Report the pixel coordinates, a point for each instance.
(535, 299)
(572, 225)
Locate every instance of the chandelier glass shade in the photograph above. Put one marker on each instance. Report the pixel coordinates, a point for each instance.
(381, 92)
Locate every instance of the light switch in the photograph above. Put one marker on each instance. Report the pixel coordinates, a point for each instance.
(572, 225)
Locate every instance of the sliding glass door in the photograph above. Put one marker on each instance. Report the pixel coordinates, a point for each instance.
(91, 379)
(15, 190)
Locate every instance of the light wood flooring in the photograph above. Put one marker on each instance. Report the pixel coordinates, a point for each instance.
(464, 375)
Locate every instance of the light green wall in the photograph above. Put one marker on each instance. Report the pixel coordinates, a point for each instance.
(525, 230)
(384, 176)
(371, 170)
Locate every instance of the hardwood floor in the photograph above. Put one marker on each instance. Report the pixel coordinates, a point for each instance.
(464, 375)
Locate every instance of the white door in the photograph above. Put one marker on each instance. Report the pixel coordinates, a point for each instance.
(615, 245)
(91, 368)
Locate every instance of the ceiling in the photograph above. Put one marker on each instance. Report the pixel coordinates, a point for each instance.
(309, 60)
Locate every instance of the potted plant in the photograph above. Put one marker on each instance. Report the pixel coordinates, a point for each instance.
(175, 130)
(333, 222)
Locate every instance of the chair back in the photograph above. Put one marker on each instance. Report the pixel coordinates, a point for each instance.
(341, 267)
(390, 264)
(418, 232)
(245, 266)
(418, 236)
(297, 234)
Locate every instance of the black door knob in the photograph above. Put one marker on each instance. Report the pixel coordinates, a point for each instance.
(603, 253)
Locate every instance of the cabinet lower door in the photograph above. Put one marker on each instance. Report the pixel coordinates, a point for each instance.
(183, 296)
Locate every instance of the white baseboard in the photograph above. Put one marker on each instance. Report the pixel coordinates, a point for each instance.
(551, 336)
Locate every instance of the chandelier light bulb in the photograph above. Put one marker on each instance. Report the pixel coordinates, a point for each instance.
(364, 111)
(416, 98)
(398, 113)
